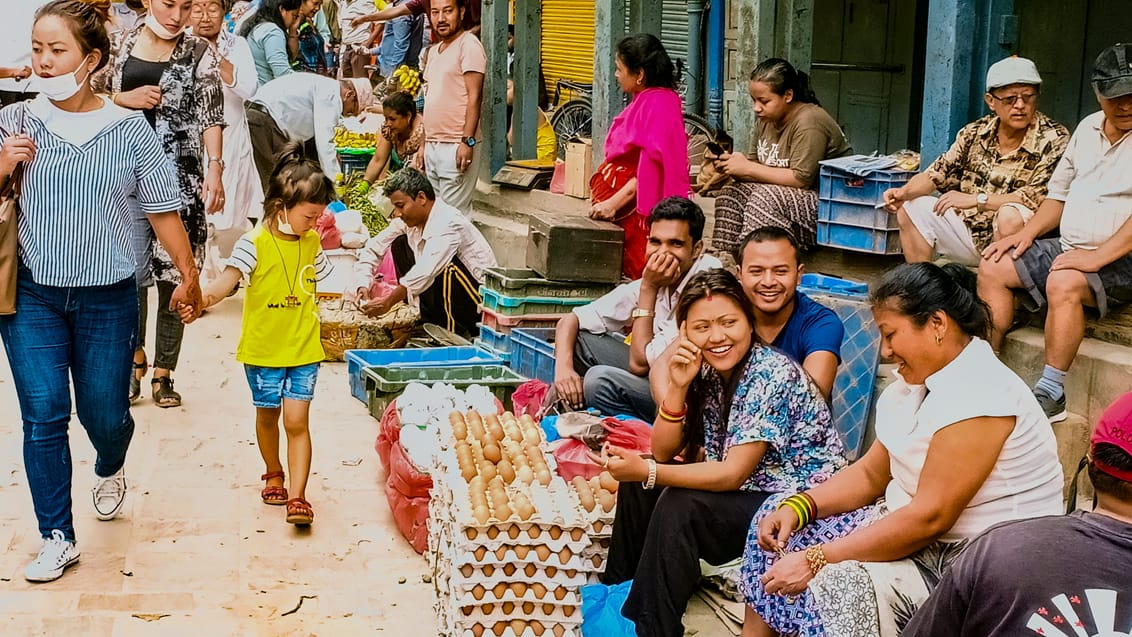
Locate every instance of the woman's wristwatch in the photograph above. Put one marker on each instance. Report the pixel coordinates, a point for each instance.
(218, 161)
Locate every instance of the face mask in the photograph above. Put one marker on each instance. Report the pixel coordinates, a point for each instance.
(285, 226)
(160, 31)
(61, 87)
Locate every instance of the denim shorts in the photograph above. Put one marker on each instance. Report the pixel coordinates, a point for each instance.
(270, 385)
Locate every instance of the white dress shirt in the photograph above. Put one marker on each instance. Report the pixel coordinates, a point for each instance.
(447, 234)
(611, 313)
(305, 105)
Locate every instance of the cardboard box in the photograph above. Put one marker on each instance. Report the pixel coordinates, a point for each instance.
(579, 167)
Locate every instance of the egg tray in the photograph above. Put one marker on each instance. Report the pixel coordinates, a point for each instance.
(473, 628)
(491, 614)
(467, 576)
(553, 505)
(448, 468)
(561, 596)
(512, 555)
(448, 438)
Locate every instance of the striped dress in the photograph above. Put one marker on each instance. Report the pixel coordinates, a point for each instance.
(75, 225)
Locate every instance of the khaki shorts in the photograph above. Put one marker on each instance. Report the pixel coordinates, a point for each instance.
(948, 236)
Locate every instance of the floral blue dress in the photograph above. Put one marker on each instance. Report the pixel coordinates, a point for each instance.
(777, 403)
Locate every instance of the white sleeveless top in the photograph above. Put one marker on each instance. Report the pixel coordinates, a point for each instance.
(1026, 481)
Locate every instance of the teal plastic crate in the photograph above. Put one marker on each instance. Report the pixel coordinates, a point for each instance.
(383, 384)
(359, 359)
(523, 282)
(516, 306)
(532, 353)
(354, 160)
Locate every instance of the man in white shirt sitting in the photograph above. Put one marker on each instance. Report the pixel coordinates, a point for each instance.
(302, 107)
(591, 341)
(1090, 264)
(439, 256)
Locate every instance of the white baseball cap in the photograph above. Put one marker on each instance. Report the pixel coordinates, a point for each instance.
(1012, 70)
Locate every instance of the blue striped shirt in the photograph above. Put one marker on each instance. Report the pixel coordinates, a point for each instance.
(75, 223)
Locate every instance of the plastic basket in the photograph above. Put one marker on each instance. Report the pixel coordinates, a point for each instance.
(504, 356)
(532, 353)
(359, 359)
(494, 340)
(522, 282)
(354, 160)
(812, 284)
(504, 324)
(383, 384)
(504, 305)
(847, 214)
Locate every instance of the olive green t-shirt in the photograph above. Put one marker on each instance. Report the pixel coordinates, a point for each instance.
(809, 136)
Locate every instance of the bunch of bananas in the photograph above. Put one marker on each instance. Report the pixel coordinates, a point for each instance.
(355, 191)
(408, 79)
(349, 139)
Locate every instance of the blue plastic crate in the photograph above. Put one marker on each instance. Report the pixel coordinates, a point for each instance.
(856, 379)
(359, 359)
(532, 353)
(838, 185)
(852, 237)
(847, 214)
(495, 341)
(504, 356)
(517, 305)
(813, 283)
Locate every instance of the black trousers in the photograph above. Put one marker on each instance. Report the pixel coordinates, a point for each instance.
(453, 299)
(170, 329)
(659, 538)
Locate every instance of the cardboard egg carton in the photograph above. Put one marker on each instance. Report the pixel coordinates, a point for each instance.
(467, 576)
(447, 437)
(460, 626)
(566, 558)
(518, 593)
(491, 613)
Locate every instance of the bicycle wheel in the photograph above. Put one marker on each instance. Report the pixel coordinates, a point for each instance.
(699, 134)
(572, 119)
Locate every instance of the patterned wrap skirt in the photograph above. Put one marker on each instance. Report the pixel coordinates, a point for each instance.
(743, 206)
(606, 182)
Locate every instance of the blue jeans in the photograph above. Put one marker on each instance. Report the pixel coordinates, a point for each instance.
(616, 392)
(394, 45)
(57, 334)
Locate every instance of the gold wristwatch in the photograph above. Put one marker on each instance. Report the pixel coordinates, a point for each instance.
(642, 313)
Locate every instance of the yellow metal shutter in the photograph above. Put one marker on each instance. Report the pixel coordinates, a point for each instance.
(567, 42)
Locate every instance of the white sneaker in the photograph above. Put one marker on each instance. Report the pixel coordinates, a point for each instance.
(109, 494)
(57, 554)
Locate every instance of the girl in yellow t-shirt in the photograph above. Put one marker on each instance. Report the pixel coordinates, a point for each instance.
(279, 344)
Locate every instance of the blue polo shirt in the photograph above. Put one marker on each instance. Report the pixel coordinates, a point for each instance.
(812, 327)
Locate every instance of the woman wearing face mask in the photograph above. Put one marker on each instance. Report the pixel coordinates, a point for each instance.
(242, 189)
(747, 421)
(82, 157)
(269, 34)
(174, 79)
(777, 184)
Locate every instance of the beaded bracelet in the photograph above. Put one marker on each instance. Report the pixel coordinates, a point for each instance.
(815, 557)
(650, 482)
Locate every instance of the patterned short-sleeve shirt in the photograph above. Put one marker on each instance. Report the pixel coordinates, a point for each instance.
(777, 403)
(973, 165)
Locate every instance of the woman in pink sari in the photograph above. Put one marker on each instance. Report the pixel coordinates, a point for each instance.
(646, 150)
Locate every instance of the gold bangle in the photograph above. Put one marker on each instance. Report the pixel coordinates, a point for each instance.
(815, 557)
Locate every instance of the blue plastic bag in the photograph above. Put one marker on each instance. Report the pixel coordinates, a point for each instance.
(601, 611)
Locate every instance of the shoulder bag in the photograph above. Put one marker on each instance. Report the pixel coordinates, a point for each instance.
(9, 244)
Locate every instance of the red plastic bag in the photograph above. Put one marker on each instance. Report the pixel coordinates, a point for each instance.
(411, 516)
(573, 458)
(628, 434)
(528, 398)
(389, 433)
(404, 477)
(328, 231)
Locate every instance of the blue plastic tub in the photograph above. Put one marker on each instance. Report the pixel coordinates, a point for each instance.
(495, 341)
(532, 353)
(812, 284)
(359, 359)
(504, 356)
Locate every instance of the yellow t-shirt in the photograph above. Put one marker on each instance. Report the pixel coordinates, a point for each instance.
(281, 325)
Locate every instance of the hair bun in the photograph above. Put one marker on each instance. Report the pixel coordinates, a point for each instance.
(101, 7)
(962, 276)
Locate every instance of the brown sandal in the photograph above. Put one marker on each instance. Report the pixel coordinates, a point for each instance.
(299, 512)
(273, 495)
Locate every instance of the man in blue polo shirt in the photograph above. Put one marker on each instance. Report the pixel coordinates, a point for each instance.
(770, 267)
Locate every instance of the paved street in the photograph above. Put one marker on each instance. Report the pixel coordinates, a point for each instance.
(196, 552)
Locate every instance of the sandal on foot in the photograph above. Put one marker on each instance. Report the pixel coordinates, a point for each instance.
(135, 379)
(299, 512)
(274, 495)
(163, 394)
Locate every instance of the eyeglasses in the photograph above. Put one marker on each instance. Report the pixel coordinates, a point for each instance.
(1011, 100)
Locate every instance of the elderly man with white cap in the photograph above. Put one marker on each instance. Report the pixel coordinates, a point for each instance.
(302, 107)
(991, 179)
(1090, 264)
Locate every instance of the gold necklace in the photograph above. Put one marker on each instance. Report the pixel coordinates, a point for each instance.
(292, 300)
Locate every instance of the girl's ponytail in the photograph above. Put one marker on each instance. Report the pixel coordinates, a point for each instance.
(295, 180)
